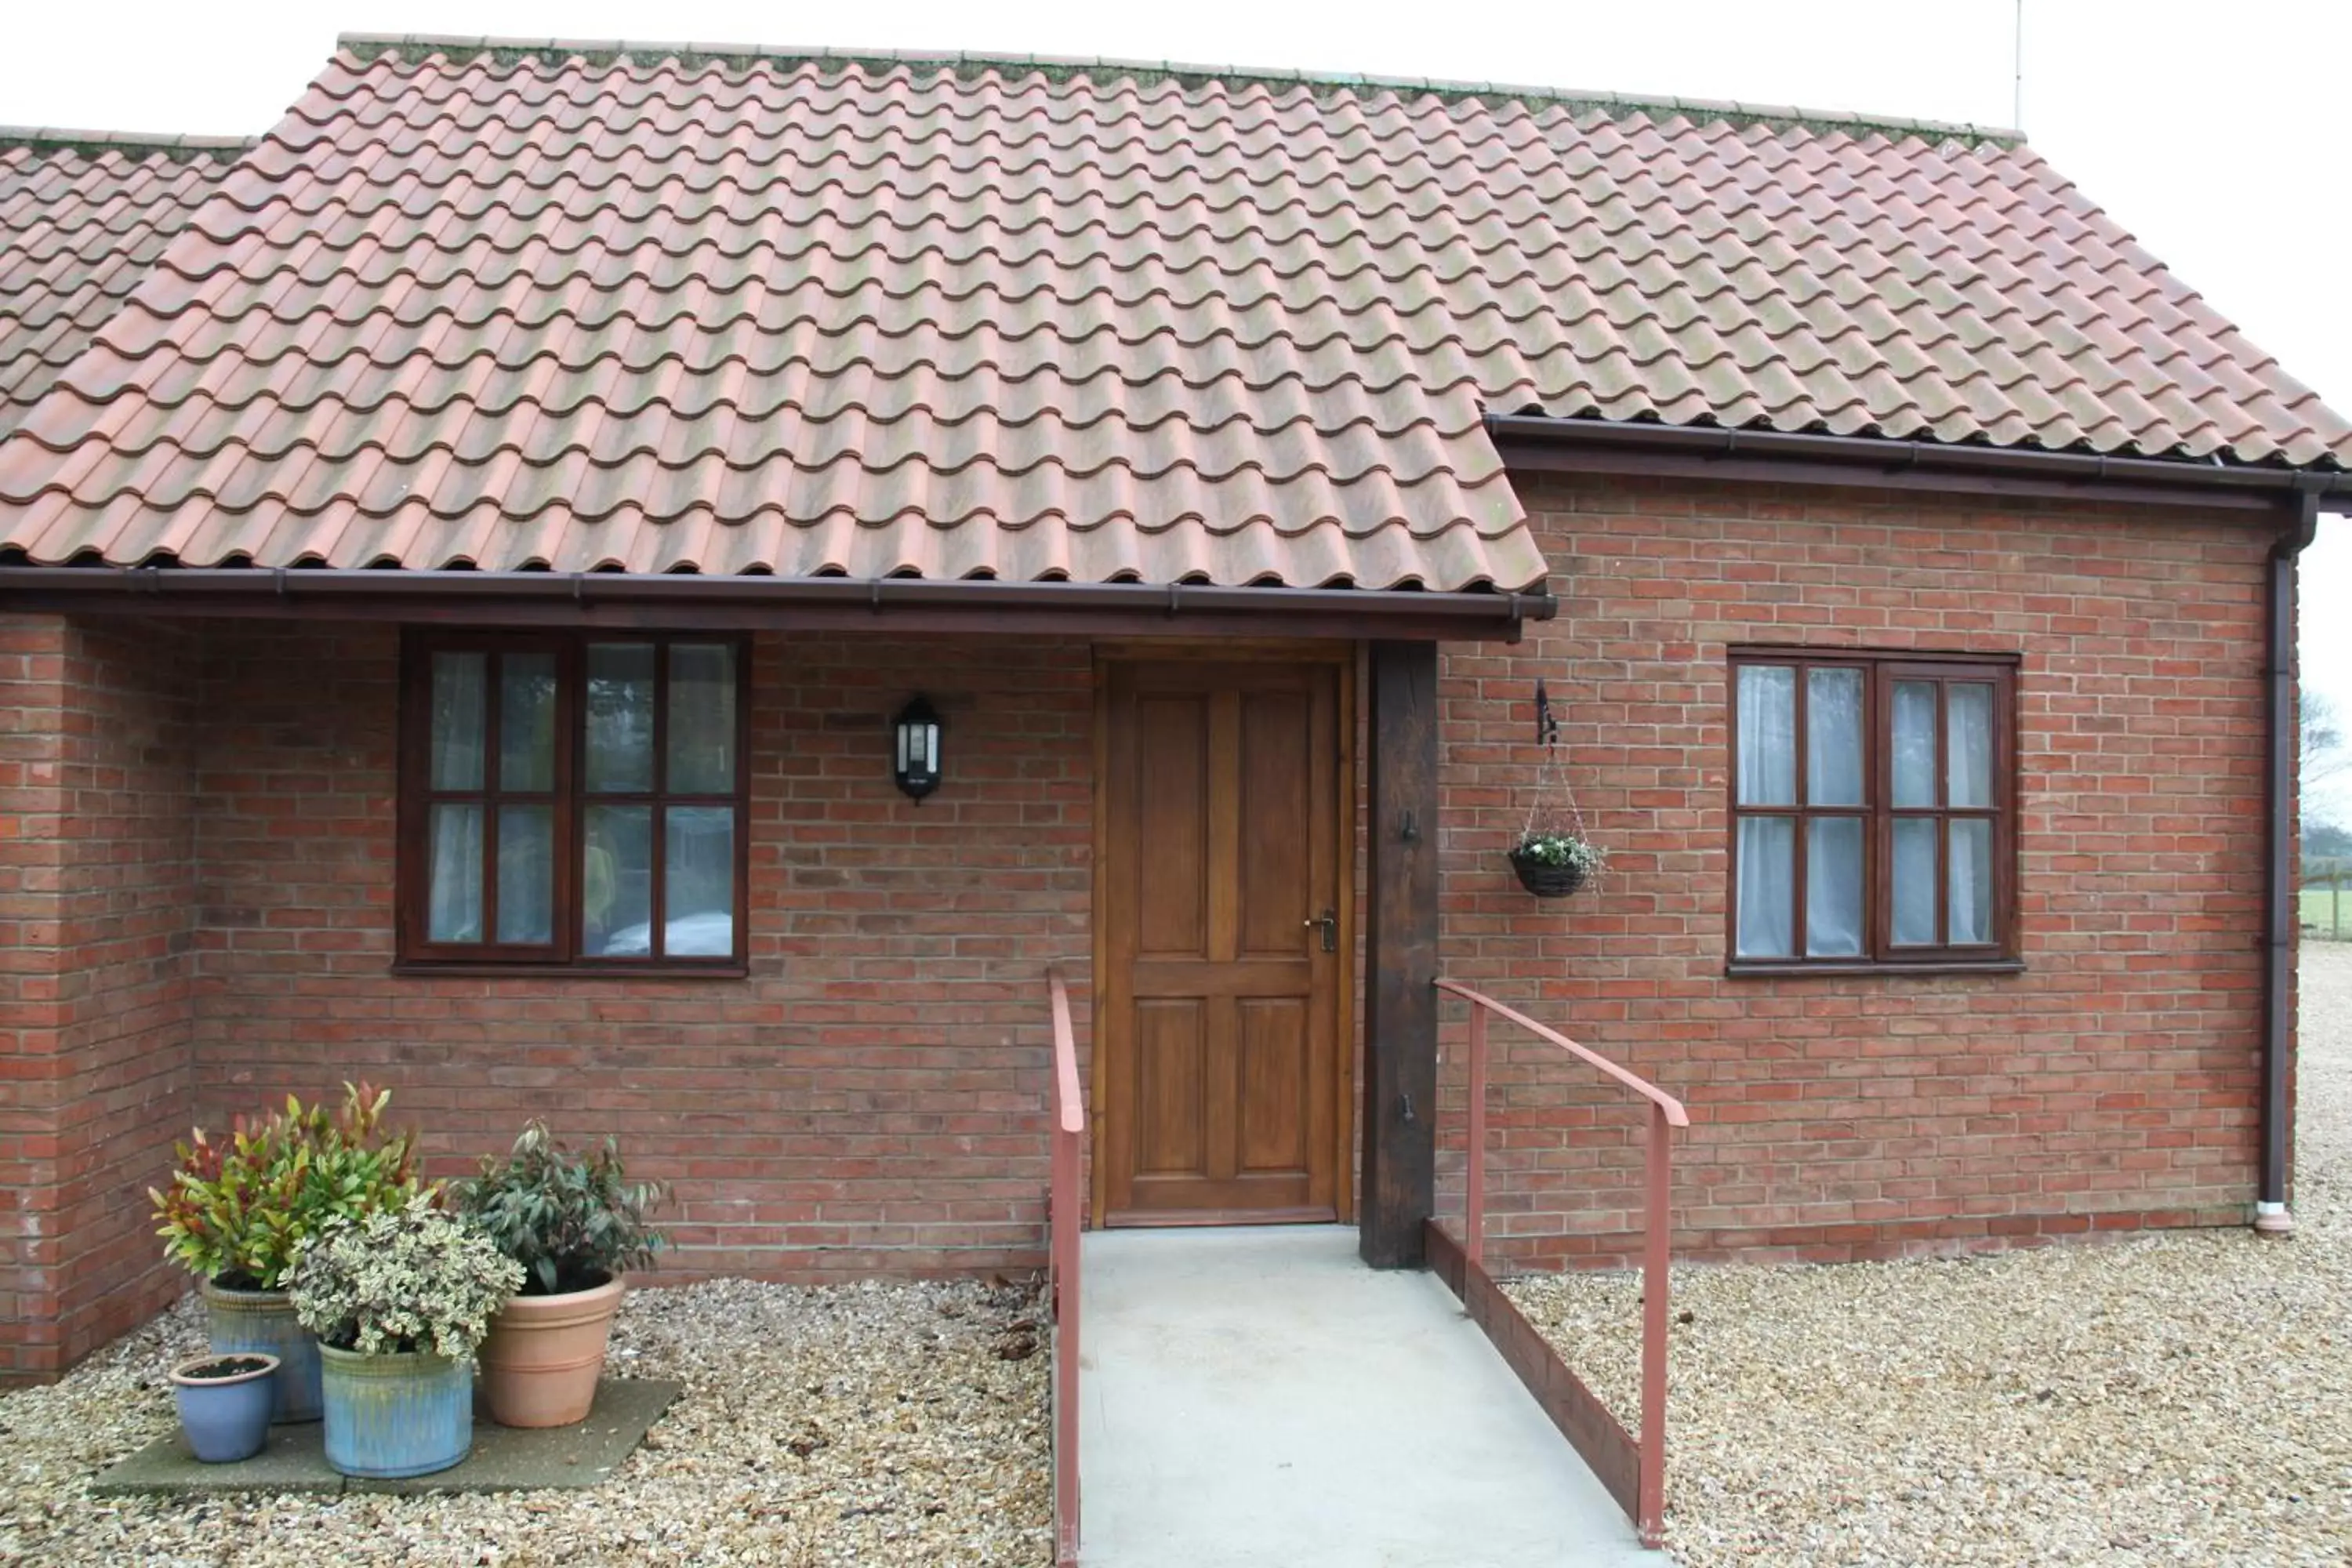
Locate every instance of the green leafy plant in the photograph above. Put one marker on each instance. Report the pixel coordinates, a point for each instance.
(407, 1279)
(1567, 850)
(237, 1211)
(573, 1222)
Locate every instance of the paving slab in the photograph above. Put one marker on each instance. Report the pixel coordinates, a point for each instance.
(1255, 1396)
(505, 1458)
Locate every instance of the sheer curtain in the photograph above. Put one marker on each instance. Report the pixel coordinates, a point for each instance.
(1768, 776)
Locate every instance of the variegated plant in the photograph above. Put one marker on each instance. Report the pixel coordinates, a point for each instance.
(409, 1278)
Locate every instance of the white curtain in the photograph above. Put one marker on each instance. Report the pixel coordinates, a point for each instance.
(1914, 882)
(1970, 910)
(453, 911)
(1768, 887)
(1833, 887)
(1768, 734)
(459, 683)
(1833, 737)
(1969, 742)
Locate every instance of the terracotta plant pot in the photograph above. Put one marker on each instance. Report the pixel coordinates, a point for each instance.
(263, 1323)
(540, 1364)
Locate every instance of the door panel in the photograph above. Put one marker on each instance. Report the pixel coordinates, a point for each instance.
(1168, 1070)
(1218, 1051)
(1274, 1084)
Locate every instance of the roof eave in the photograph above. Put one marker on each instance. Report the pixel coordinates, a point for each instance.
(691, 601)
(1534, 443)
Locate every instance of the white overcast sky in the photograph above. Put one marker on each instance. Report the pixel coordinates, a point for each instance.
(2209, 129)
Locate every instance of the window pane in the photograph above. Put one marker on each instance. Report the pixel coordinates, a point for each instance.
(526, 722)
(1914, 743)
(1768, 734)
(616, 883)
(1914, 882)
(459, 680)
(1969, 746)
(527, 873)
(620, 717)
(1833, 737)
(452, 903)
(1833, 887)
(698, 875)
(1768, 887)
(1971, 889)
(702, 719)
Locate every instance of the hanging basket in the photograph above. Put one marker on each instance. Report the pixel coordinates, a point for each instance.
(1544, 880)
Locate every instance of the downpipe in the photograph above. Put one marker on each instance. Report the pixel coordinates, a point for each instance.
(2271, 1216)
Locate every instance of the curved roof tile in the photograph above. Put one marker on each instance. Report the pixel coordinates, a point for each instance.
(587, 307)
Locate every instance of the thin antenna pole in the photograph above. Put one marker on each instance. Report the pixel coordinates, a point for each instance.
(2017, 83)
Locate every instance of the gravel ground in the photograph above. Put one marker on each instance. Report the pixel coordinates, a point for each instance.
(2176, 1399)
(870, 1424)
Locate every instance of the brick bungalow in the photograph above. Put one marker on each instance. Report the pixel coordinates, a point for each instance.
(464, 557)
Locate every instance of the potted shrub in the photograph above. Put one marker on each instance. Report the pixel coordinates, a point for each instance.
(575, 1224)
(236, 1212)
(1552, 863)
(225, 1403)
(400, 1299)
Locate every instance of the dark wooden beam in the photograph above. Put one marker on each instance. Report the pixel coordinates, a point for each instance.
(1400, 1120)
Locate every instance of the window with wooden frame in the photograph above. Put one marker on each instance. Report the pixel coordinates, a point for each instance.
(1873, 807)
(574, 800)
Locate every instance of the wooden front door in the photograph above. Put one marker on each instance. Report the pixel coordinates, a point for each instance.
(1224, 945)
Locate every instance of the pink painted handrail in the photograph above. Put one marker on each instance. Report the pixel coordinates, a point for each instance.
(1064, 1211)
(1666, 1112)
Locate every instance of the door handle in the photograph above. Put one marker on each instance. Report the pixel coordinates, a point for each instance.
(1329, 921)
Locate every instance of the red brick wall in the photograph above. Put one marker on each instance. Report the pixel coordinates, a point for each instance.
(195, 904)
(96, 910)
(2113, 1084)
(871, 1099)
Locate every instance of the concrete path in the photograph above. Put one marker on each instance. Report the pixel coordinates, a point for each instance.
(1259, 1396)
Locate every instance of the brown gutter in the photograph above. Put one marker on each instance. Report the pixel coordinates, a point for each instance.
(2280, 924)
(686, 599)
(1539, 442)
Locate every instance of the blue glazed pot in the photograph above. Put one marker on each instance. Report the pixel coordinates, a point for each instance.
(225, 1419)
(262, 1322)
(400, 1414)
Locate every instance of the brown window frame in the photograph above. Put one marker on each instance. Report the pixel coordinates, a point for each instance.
(416, 952)
(1881, 670)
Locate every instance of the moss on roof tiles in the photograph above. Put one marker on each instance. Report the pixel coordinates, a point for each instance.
(509, 52)
(138, 145)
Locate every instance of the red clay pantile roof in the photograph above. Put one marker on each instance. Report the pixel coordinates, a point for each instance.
(579, 309)
(83, 214)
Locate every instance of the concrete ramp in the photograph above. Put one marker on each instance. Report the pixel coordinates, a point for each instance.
(1257, 1395)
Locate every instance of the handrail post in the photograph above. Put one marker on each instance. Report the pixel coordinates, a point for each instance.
(1062, 1262)
(1657, 1222)
(1473, 1212)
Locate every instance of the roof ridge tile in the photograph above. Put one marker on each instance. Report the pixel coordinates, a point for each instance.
(1182, 73)
(46, 138)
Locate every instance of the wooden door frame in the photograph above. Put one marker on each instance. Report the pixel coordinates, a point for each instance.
(1346, 657)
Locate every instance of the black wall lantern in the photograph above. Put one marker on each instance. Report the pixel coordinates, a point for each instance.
(917, 727)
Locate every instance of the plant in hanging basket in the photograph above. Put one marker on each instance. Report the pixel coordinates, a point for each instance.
(1552, 864)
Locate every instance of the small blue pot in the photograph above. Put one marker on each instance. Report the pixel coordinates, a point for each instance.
(225, 1419)
(401, 1414)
